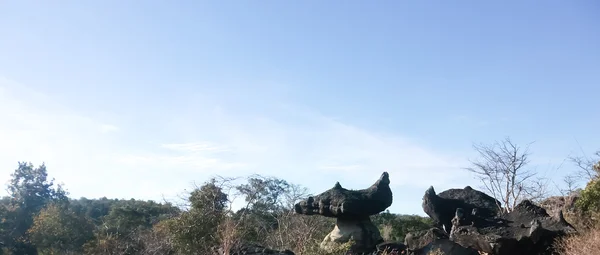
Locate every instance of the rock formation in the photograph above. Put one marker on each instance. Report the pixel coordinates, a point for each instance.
(472, 219)
(466, 222)
(353, 209)
(561, 203)
(443, 207)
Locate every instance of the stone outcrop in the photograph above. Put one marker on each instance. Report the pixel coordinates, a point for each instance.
(443, 247)
(353, 209)
(339, 202)
(472, 219)
(443, 207)
(561, 203)
(420, 239)
(466, 222)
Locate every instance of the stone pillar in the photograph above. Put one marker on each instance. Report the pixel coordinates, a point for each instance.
(362, 232)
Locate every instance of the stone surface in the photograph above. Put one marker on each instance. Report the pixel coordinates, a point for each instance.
(560, 203)
(419, 239)
(442, 207)
(363, 233)
(528, 229)
(339, 202)
(477, 223)
(444, 247)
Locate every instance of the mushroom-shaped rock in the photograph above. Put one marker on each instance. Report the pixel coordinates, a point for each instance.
(352, 209)
(339, 202)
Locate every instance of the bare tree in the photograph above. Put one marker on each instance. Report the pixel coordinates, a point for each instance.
(587, 170)
(502, 168)
(571, 185)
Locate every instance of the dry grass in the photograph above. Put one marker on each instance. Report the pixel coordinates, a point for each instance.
(584, 243)
(437, 251)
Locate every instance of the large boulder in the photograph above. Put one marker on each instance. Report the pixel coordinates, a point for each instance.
(442, 207)
(561, 203)
(420, 239)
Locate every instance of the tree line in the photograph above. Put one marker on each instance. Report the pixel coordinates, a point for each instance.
(38, 217)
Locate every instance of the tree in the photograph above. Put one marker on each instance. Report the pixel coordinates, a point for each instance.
(196, 231)
(589, 202)
(264, 194)
(4, 223)
(587, 169)
(502, 168)
(29, 191)
(59, 230)
(127, 227)
(30, 188)
(265, 199)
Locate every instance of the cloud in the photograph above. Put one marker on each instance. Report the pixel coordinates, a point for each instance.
(303, 147)
(106, 128)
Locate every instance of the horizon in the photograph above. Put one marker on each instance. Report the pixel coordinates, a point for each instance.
(131, 100)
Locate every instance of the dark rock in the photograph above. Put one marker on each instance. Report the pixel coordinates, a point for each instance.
(444, 247)
(419, 239)
(255, 249)
(339, 202)
(442, 207)
(353, 209)
(527, 229)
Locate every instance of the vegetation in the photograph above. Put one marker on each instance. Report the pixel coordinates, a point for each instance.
(586, 213)
(38, 218)
(503, 170)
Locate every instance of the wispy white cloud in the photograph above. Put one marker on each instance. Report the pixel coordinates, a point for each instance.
(312, 150)
(107, 128)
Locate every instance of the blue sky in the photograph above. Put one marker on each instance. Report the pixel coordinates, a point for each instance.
(142, 98)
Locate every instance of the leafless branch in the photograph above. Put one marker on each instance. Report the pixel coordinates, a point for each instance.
(502, 169)
(586, 167)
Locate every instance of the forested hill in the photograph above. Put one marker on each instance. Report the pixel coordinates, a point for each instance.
(38, 217)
